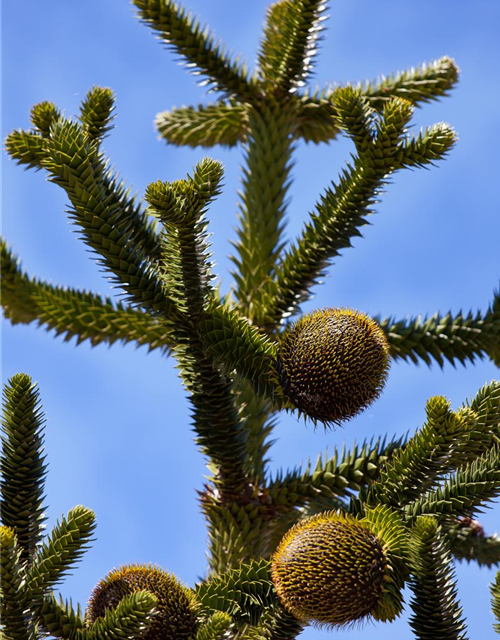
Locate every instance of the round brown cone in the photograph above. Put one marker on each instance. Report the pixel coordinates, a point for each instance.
(329, 569)
(176, 611)
(333, 363)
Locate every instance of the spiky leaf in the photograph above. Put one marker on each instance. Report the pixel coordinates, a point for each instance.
(495, 602)
(419, 85)
(17, 621)
(290, 42)
(268, 149)
(110, 222)
(131, 618)
(343, 209)
(274, 624)
(436, 609)
(242, 593)
(221, 123)
(26, 148)
(96, 112)
(215, 627)
(453, 337)
(201, 50)
(76, 314)
(463, 493)
(333, 475)
(59, 618)
(468, 541)
(22, 464)
(241, 348)
(43, 116)
(424, 460)
(64, 547)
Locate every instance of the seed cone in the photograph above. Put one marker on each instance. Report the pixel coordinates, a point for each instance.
(176, 610)
(333, 363)
(330, 569)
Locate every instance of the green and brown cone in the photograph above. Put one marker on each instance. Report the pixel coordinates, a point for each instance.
(331, 569)
(333, 363)
(176, 608)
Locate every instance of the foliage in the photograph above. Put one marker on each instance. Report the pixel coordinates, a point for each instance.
(400, 509)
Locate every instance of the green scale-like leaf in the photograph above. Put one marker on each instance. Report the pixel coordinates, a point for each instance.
(258, 419)
(242, 593)
(16, 622)
(316, 117)
(387, 524)
(33, 149)
(216, 422)
(436, 609)
(419, 85)
(449, 337)
(274, 41)
(60, 620)
(64, 547)
(74, 313)
(26, 148)
(22, 464)
(448, 441)
(30, 566)
(334, 476)
(235, 344)
(301, 493)
(290, 42)
(423, 461)
(222, 123)
(96, 113)
(344, 209)
(215, 628)
(215, 417)
(274, 624)
(129, 619)
(240, 529)
(266, 179)
(44, 114)
(197, 46)
(463, 493)
(484, 429)
(468, 542)
(74, 162)
(186, 265)
(495, 602)
(186, 271)
(428, 82)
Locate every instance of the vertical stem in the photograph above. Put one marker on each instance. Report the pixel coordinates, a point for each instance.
(239, 529)
(215, 418)
(266, 178)
(256, 416)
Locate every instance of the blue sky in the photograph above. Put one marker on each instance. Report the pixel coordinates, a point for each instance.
(118, 437)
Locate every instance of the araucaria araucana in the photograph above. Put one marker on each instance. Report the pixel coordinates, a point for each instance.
(333, 544)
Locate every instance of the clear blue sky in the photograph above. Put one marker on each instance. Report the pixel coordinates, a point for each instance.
(118, 436)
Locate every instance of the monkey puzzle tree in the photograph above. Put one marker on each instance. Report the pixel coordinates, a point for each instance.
(334, 544)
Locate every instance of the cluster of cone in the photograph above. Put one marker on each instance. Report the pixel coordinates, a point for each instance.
(332, 568)
(328, 569)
